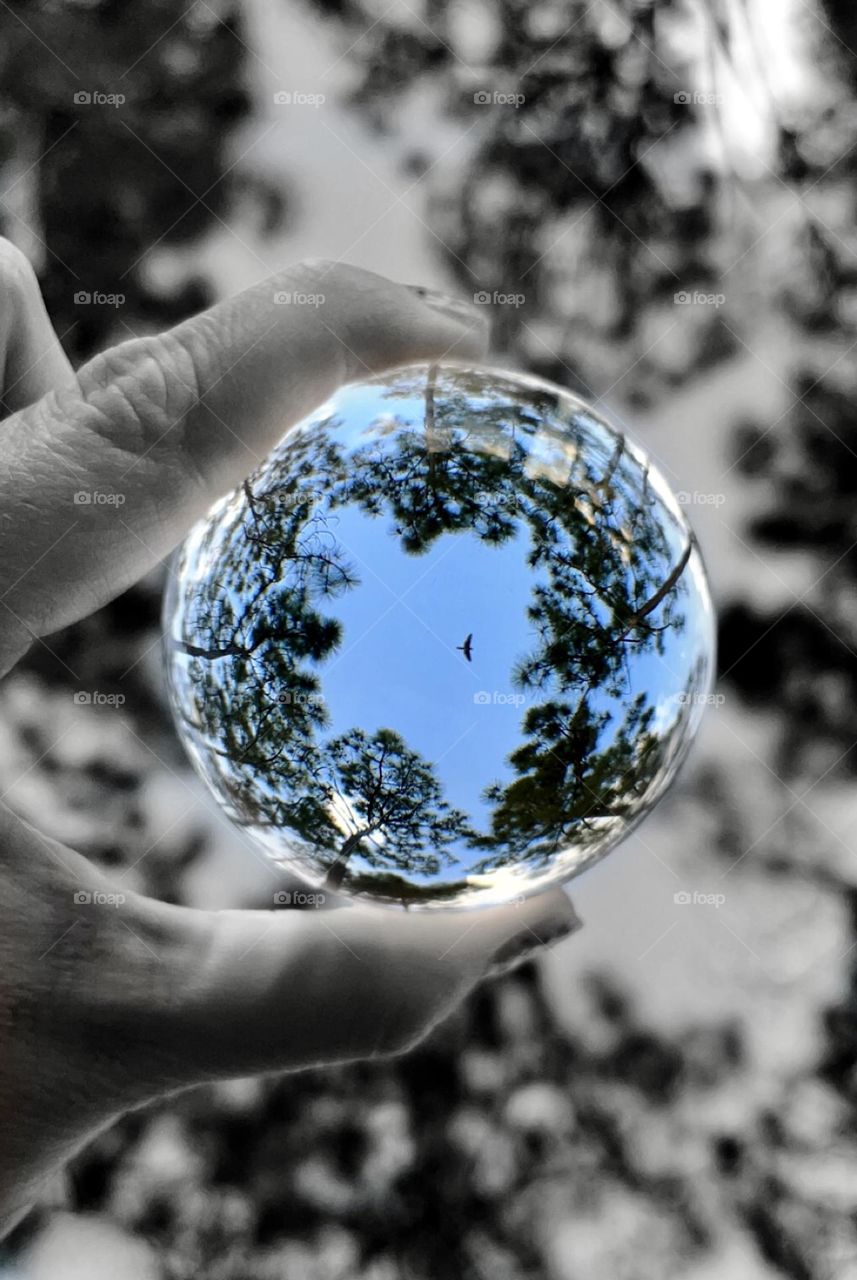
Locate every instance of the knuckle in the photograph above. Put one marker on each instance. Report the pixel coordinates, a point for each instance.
(17, 276)
(317, 266)
(136, 396)
(329, 269)
(14, 261)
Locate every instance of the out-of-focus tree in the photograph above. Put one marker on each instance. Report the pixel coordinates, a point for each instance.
(118, 133)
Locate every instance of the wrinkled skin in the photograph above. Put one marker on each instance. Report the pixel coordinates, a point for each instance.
(102, 1011)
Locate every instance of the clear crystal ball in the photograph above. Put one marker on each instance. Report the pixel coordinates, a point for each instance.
(447, 645)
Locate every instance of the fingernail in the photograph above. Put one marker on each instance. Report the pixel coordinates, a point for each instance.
(524, 944)
(452, 308)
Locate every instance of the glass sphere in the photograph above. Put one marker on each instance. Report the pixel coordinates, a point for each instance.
(447, 645)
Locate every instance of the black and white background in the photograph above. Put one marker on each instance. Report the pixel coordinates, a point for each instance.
(656, 200)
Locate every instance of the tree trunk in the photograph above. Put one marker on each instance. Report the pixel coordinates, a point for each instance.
(336, 873)
(664, 590)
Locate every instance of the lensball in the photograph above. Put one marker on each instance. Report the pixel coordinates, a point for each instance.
(447, 645)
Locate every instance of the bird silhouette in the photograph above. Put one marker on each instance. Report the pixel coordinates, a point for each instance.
(467, 647)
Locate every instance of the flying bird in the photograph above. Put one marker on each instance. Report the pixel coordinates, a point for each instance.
(467, 647)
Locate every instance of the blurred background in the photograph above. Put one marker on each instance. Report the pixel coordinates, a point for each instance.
(657, 199)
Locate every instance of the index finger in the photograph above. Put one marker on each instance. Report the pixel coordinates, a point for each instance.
(171, 423)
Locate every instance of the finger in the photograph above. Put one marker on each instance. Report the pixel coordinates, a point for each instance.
(289, 989)
(156, 429)
(31, 358)
(109, 1000)
(235, 992)
(191, 996)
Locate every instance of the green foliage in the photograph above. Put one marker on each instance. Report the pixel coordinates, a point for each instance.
(484, 463)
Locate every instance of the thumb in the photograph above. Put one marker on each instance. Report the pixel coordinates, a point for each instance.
(281, 990)
(183, 996)
(108, 1000)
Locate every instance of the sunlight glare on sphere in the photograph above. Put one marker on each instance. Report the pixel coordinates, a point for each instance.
(447, 645)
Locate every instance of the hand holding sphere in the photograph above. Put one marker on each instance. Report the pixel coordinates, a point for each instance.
(103, 1010)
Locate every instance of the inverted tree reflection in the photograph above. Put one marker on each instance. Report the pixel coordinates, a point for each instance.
(445, 455)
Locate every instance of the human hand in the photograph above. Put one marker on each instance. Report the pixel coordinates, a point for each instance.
(102, 1011)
